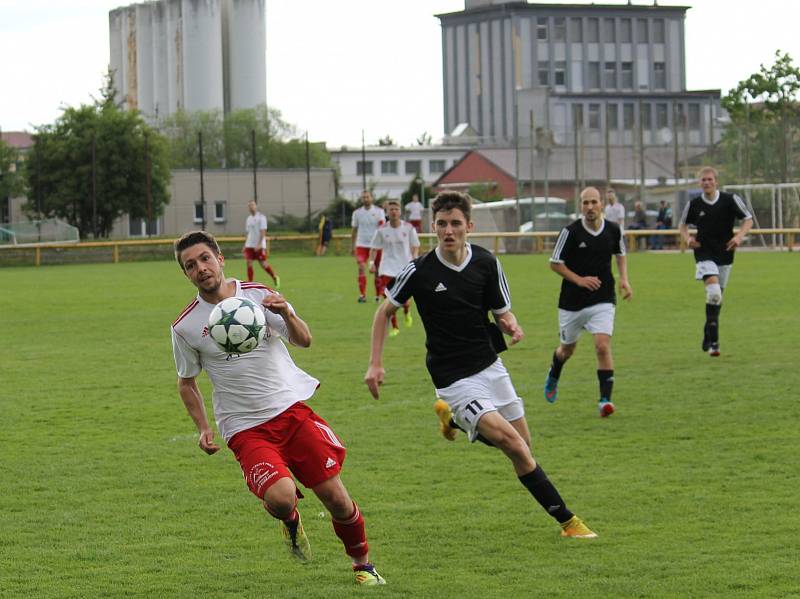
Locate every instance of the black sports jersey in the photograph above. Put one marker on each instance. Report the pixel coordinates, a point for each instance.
(588, 253)
(714, 222)
(453, 302)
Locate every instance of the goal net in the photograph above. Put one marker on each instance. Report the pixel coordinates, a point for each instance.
(35, 232)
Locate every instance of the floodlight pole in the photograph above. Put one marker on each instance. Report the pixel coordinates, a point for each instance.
(255, 163)
(94, 185)
(308, 183)
(148, 183)
(202, 188)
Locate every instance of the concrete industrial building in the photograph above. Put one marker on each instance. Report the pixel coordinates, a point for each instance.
(172, 55)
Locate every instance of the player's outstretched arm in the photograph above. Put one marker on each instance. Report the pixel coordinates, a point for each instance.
(624, 286)
(193, 401)
(688, 239)
(509, 325)
(375, 371)
(299, 333)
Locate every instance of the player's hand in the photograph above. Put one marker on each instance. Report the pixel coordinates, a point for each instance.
(371, 267)
(275, 303)
(590, 283)
(510, 326)
(374, 379)
(734, 242)
(207, 442)
(625, 290)
(692, 243)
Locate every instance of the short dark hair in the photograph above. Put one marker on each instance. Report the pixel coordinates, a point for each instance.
(447, 200)
(191, 238)
(388, 203)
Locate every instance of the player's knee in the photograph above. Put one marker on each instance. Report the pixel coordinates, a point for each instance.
(602, 347)
(714, 294)
(565, 351)
(281, 498)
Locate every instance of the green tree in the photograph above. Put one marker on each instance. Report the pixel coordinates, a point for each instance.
(415, 187)
(11, 184)
(765, 114)
(58, 168)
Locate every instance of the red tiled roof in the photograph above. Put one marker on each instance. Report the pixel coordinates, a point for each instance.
(18, 139)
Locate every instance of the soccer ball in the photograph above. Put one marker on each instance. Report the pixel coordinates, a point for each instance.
(237, 325)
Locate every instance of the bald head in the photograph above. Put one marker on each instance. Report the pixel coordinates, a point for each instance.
(591, 204)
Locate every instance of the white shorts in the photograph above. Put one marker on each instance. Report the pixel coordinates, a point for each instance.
(707, 268)
(595, 319)
(490, 390)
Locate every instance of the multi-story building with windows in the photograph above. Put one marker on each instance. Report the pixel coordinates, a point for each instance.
(594, 76)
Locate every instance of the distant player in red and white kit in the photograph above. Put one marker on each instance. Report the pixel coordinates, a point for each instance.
(414, 213)
(399, 243)
(255, 245)
(259, 405)
(366, 220)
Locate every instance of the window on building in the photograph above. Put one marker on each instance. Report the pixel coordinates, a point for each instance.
(541, 28)
(627, 116)
(594, 117)
(560, 29)
(577, 115)
(660, 75)
(662, 120)
(612, 120)
(658, 31)
(625, 31)
(593, 30)
(594, 75)
(436, 166)
(576, 30)
(199, 209)
(626, 72)
(219, 212)
(647, 116)
(609, 34)
(388, 167)
(610, 75)
(679, 115)
(694, 116)
(141, 227)
(543, 72)
(560, 74)
(364, 168)
(413, 167)
(641, 31)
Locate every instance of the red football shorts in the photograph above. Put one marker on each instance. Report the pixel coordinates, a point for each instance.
(297, 442)
(417, 224)
(384, 283)
(255, 254)
(362, 254)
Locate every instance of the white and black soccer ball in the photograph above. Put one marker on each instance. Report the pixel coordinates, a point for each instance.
(237, 325)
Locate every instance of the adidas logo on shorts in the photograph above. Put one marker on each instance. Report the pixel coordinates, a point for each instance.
(330, 463)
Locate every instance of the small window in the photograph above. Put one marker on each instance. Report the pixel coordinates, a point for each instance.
(647, 117)
(679, 115)
(625, 31)
(577, 115)
(660, 75)
(627, 75)
(694, 116)
(594, 117)
(364, 168)
(612, 121)
(560, 73)
(576, 30)
(388, 167)
(594, 75)
(436, 166)
(627, 116)
(662, 119)
(219, 212)
(593, 30)
(198, 212)
(560, 29)
(543, 72)
(413, 167)
(658, 31)
(608, 31)
(610, 75)
(541, 28)
(641, 31)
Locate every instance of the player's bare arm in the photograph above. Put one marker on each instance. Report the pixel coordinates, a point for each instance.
(299, 333)
(353, 234)
(688, 239)
(624, 286)
(193, 401)
(509, 325)
(372, 253)
(375, 372)
(737, 239)
(591, 283)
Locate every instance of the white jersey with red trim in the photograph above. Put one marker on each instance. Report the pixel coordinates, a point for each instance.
(414, 210)
(249, 389)
(367, 221)
(396, 243)
(254, 224)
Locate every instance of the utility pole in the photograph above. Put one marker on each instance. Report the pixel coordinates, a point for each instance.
(608, 148)
(94, 185)
(533, 171)
(149, 184)
(641, 154)
(308, 183)
(255, 163)
(363, 163)
(202, 186)
(547, 157)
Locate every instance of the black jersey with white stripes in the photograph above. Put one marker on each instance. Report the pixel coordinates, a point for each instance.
(588, 253)
(453, 303)
(714, 222)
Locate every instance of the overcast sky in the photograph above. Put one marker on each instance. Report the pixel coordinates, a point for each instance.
(335, 67)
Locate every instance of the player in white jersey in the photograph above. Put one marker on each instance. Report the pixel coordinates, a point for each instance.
(259, 405)
(366, 220)
(414, 213)
(399, 243)
(614, 210)
(255, 245)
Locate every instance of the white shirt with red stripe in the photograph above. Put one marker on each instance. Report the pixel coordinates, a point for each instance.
(396, 243)
(414, 210)
(367, 221)
(254, 224)
(249, 389)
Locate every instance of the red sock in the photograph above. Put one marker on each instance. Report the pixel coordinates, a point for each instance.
(250, 273)
(394, 320)
(270, 272)
(362, 284)
(378, 286)
(352, 534)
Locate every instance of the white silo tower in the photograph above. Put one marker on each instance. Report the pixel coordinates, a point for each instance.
(245, 42)
(202, 55)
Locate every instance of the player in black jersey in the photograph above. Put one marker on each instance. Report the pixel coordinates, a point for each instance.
(714, 213)
(454, 287)
(582, 256)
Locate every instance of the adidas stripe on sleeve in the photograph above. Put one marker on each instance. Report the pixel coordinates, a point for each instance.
(558, 250)
(401, 291)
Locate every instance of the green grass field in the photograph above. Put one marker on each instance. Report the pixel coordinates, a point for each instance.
(692, 484)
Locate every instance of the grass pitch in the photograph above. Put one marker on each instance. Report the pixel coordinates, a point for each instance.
(691, 484)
